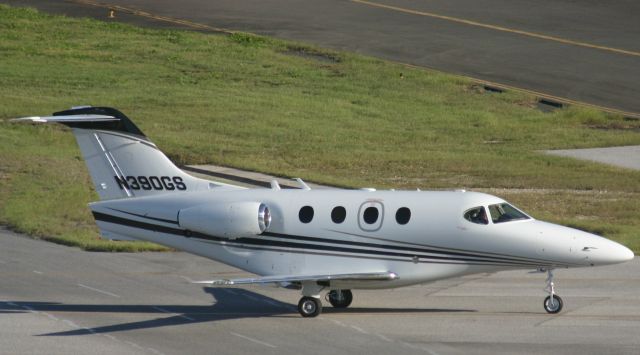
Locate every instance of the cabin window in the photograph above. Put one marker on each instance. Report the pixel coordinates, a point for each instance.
(370, 215)
(403, 215)
(338, 214)
(476, 215)
(504, 212)
(306, 214)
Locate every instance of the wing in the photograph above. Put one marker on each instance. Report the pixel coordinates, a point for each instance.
(373, 276)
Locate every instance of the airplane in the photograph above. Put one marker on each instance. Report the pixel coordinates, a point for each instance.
(318, 241)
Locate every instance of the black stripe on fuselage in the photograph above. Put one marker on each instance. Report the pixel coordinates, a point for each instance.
(362, 256)
(147, 217)
(269, 243)
(403, 248)
(445, 250)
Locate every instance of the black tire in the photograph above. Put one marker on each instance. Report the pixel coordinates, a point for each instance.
(557, 306)
(347, 298)
(309, 307)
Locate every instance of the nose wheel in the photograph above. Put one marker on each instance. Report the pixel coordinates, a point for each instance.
(553, 303)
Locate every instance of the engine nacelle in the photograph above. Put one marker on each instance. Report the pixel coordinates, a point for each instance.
(227, 220)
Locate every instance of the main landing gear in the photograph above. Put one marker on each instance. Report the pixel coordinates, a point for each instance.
(340, 298)
(553, 303)
(310, 305)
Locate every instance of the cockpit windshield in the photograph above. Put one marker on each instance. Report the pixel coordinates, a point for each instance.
(504, 212)
(476, 215)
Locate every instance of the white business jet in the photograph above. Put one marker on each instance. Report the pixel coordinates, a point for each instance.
(327, 241)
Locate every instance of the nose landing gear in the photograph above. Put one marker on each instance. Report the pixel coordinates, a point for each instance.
(553, 303)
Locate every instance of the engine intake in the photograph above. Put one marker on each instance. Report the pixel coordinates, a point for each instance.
(227, 220)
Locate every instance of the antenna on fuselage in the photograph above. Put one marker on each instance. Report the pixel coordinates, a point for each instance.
(275, 185)
(303, 185)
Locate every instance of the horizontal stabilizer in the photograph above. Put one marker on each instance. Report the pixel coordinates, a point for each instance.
(375, 276)
(67, 119)
(91, 118)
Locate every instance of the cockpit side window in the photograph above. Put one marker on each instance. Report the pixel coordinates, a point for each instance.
(476, 215)
(504, 212)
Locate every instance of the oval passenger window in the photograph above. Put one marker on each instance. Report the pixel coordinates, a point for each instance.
(370, 215)
(338, 214)
(403, 215)
(306, 214)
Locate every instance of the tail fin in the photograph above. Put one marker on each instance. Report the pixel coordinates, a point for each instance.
(122, 161)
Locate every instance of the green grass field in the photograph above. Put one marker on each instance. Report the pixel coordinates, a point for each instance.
(288, 109)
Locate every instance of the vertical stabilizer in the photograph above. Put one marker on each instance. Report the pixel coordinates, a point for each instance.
(122, 161)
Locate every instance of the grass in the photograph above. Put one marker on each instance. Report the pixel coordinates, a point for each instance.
(289, 109)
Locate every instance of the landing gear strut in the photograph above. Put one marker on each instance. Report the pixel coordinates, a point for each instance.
(553, 303)
(340, 298)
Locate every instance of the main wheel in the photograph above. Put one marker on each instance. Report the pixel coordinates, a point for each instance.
(309, 307)
(553, 306)
(340, 298)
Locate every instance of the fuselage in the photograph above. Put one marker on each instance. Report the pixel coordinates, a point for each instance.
(419, 235)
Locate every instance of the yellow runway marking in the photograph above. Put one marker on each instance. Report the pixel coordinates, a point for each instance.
(200, 26)
(497, 28)
(126, 10)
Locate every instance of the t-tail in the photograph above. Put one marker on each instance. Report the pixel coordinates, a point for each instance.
(122, 161)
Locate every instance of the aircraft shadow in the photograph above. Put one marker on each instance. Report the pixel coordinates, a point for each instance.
(229, 304)
(331, 310)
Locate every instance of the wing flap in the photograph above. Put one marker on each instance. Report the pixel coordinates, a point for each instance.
(373, 276)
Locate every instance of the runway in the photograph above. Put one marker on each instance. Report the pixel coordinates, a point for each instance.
(580, 50)
(60, 300)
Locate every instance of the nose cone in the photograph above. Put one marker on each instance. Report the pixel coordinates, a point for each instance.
(626, 254)
(576, 247)
(606, 252)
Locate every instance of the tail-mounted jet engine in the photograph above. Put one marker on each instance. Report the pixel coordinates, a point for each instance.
(235, 220)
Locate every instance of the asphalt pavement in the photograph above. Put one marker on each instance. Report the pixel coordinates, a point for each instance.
(580, 50)
(61, 300)
(625, 157)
